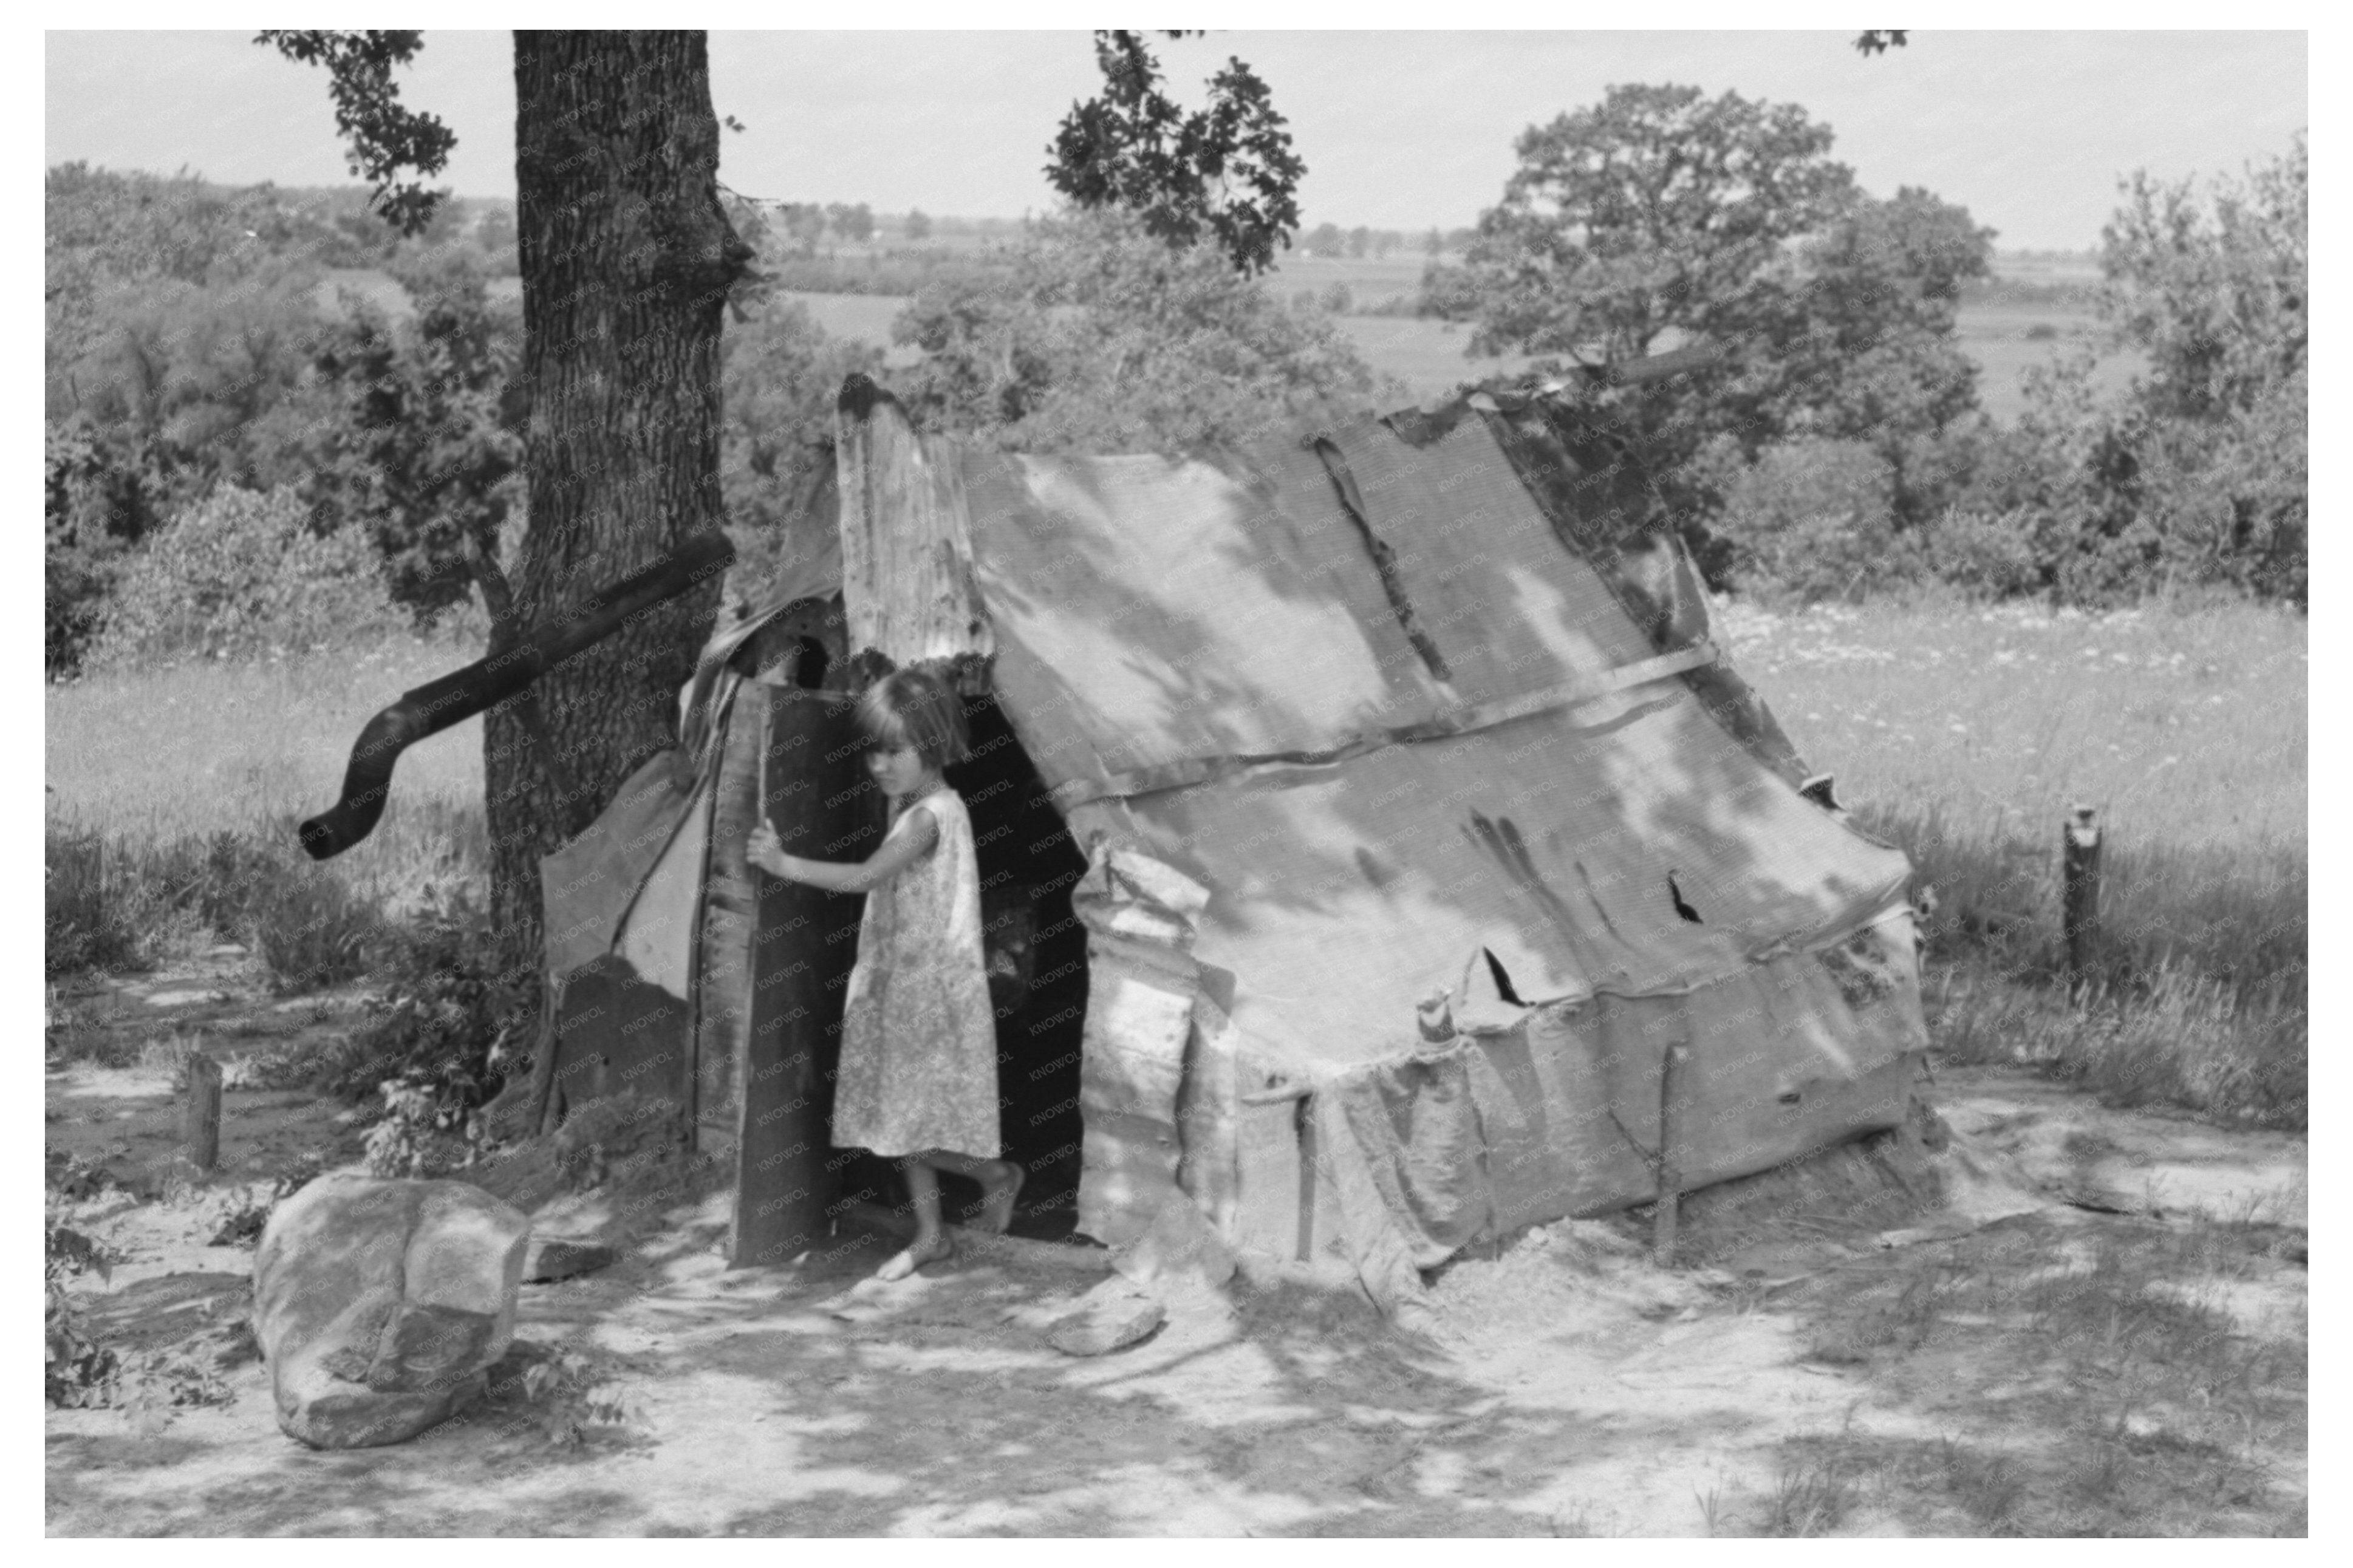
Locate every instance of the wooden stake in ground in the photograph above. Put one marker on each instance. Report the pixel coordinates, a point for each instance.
(1662, 1215)
(200, 1123)
(2079, 914)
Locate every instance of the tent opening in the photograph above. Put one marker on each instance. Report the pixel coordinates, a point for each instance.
(1037, 955)
(809, 664)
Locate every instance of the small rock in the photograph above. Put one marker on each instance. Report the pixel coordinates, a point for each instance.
(1113, 1316)
(550, 1258)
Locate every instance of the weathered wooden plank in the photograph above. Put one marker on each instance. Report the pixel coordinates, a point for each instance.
(907, 539)
(724, 1015)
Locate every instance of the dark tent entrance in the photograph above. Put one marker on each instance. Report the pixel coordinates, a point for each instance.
(793, 1184)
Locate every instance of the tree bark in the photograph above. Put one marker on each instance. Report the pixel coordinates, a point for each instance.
(627, 258)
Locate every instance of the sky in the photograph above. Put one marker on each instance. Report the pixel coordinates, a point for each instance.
(1400, 130)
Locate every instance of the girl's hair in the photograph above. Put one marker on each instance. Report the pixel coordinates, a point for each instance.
(916, 707)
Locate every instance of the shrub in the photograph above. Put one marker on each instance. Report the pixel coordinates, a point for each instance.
(80, 1373)
(241, 573)
(1997, 555)
(446, 1021)
(82, 926)
(1814, 517)
(312, 931)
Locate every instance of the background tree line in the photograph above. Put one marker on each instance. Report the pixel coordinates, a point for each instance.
(191, 354)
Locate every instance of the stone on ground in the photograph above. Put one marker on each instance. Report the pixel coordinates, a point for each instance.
(1113, 1316)
(552, 1258)
(378, 1305)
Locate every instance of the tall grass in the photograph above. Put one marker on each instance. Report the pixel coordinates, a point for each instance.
(1962, 733)
(174, 794)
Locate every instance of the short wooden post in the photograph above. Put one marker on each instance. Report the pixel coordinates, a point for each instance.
(1662, 1215)
(2079, 915)
(200, 1122)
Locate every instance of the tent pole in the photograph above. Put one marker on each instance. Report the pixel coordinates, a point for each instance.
(543, 1055)
(1662, 1214)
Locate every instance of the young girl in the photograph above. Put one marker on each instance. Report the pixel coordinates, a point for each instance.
(918, 1074)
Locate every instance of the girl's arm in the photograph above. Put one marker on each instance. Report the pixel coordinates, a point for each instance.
(909, 844)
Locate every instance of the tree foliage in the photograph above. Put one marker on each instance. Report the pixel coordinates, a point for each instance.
(1102, 338)
(1227, 168)
(1659, 212)
(424, 449)
(2215, 292)
(1660, 217)
(239, 573)
(779, 375)
(2200, 473)
(384, 135)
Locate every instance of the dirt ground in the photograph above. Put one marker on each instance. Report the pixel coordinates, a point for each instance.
(2104, 1329)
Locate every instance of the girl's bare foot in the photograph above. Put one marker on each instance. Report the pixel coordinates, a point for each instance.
(901, 1264)
(997, 1198)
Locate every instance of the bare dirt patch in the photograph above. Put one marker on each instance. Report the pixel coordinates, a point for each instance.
(2066, 1369)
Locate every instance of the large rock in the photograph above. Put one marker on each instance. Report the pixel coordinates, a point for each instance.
(379, 1304)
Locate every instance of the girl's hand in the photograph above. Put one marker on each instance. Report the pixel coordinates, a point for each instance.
(762, 849)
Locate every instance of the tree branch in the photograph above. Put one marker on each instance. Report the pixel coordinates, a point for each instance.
(383, 136)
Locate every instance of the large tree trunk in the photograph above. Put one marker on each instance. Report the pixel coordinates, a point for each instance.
(627, 258)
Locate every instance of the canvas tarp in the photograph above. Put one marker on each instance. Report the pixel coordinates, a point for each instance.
(1154, 617)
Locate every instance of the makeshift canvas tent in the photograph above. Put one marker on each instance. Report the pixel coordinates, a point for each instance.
(1361, 823)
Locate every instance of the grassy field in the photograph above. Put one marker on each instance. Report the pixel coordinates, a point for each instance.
(173, 796)
(2185, 728)
(1961, 733)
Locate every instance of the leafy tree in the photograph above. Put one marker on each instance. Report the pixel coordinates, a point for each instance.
(918, 226)
(627, 261)
(2215, 293)
(779, 375)
(111, 238)
(1327, 239)
(1360, 241)
(1657, 212)
(1102, 338)
(2200, 473)
(1660, 217)
(93, 510)
(495, 237)
(855, 224)
(1815, 518)
(1226, 170)
(1868, 352)
(426, 449)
